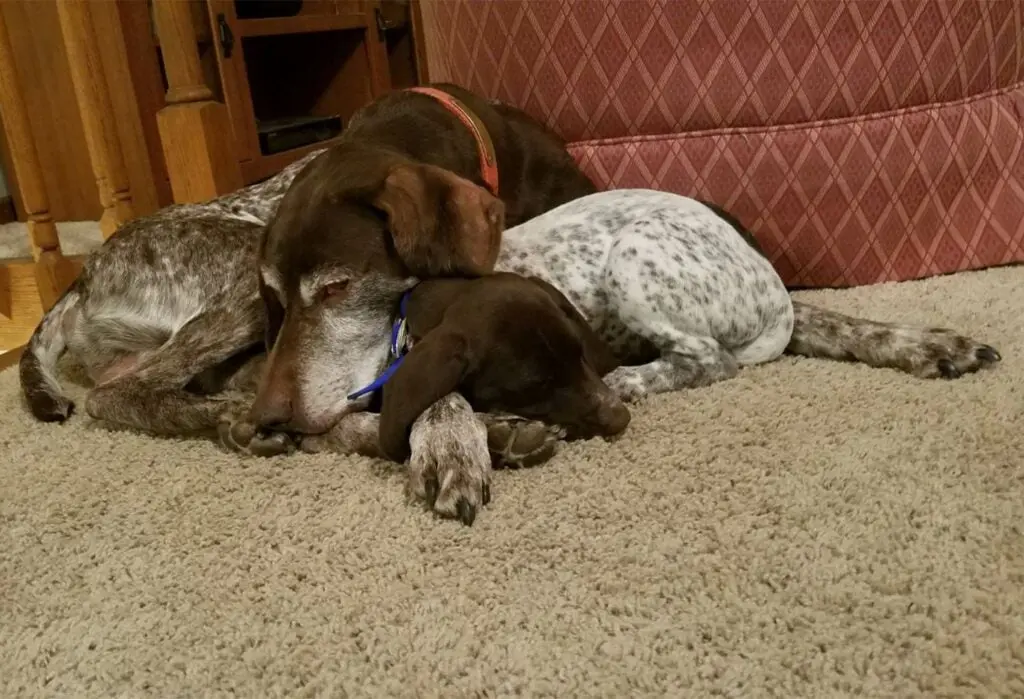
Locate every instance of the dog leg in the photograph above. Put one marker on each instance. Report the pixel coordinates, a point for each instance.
(513, 442)
(450, 466)
(236, 433)
(686, 361)
(152, 396)
(234, 430)
(920, 351)
(355, 433)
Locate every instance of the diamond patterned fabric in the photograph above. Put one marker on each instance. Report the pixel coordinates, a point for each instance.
(860, 140)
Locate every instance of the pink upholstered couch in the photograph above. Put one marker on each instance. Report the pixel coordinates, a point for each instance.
(861, 140)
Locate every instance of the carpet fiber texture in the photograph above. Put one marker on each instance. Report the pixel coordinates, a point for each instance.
(808, 529)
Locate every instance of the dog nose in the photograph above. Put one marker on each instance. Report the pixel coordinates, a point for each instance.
(271, 411)
(613, 418)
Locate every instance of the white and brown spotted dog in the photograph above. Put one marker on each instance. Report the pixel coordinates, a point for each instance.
(673, 288)
(662, 275)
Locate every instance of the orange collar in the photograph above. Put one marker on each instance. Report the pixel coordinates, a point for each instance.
(488, 158)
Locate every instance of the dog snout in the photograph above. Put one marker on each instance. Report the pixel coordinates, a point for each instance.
(612, 418)
(272, 409)
(608, 415)
(599, 414)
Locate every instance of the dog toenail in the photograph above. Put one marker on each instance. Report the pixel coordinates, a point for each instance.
(486, 495)
(948, 369)
(431, 488)
(467, 513)
(987, 353)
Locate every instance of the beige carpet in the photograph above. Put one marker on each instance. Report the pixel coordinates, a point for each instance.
(808, 530)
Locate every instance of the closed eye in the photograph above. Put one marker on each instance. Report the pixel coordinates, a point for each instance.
(334, 290)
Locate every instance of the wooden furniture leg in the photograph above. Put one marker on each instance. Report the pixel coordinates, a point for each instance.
(53, 272)
(194, 128)
(94, 104)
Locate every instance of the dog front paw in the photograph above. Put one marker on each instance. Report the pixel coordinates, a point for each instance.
(628, 383)
(354, 434)
(237, 434)
(450, 465)
(932, 353)
(516, 442)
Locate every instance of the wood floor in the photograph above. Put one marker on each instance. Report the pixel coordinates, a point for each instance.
(20, 309)
(9, 358)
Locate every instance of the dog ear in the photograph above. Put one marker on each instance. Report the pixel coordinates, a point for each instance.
(596, 352)
(441, 224)
(434, 367)
(274, 315)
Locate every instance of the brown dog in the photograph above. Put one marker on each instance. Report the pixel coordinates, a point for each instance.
(407, 194)
(402, 196)
(509, 344)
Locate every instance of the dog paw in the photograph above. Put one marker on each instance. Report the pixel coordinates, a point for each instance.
(354, 434)
(934, 353)
(316, 444)
(628, 383)
(450, 465)
(243, 437)
(516, 442)
(48, 407)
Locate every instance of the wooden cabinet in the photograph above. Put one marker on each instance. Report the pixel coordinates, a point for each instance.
(92, 129)
(327, 60)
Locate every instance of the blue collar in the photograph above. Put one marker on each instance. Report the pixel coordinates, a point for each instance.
(397, 351)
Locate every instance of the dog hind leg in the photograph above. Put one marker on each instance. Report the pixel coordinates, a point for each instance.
(687, 361)
(920, 351)
(153, 397)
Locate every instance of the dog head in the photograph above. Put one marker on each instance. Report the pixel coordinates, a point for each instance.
(353, 232)
(509, 344)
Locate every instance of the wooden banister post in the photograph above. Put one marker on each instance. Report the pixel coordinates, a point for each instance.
(94, 104)
(194, 129)
(53, 272)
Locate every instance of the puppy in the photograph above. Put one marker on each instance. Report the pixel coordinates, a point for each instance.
(508, 344)
(678, 294)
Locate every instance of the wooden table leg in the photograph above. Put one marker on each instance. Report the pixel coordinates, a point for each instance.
(194, 128)
(53, 272)
(97, 113)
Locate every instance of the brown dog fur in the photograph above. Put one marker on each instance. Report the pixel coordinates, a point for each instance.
(400, 197)
(509, 344)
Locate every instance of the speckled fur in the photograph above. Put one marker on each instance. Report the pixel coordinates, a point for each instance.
(171, 298)
(664, 276)
(167, 321)
(444, 439)
(661, 275)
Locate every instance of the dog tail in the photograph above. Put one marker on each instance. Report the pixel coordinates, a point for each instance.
(38, 367)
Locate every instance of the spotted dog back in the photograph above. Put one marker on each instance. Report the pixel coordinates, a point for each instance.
(184, 273)
(664, 279)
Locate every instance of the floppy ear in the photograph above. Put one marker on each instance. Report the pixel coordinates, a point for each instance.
(433, 368)
(441, 224)
(274, 312)
(597, 353)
